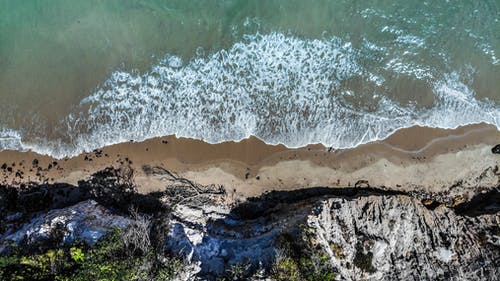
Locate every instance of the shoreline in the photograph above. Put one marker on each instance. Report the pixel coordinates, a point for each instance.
(416, 158)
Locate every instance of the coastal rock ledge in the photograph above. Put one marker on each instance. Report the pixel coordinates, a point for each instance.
(359, 233)
(367, 236)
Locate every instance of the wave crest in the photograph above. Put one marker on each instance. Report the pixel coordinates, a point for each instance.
(282, 89)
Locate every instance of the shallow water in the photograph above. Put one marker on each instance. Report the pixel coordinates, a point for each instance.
(78, 75)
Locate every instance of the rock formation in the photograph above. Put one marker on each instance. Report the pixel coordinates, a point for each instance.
(359, 233)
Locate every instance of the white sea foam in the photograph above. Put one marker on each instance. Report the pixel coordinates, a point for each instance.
(282, 89)
(10, 139)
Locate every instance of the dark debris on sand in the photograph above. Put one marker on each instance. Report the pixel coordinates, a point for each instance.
(496, 149)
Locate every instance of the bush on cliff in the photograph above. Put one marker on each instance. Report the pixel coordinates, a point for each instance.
(300, 259)
(110, 259)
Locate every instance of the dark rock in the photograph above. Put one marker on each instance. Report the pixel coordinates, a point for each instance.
(336, 205)
(34, 163)
(4, 166)
(430, 204)
(363, 260)
(362, 183)
(482, 203)
(496, 149)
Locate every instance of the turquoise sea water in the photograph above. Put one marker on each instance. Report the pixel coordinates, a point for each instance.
(78, 75)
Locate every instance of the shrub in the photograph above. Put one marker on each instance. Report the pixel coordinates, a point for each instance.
(363, 260)
(285, 269)
(108, 259)
(77, 254)
(299, 259)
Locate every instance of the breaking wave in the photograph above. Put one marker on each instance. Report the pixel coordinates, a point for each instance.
(282, 89)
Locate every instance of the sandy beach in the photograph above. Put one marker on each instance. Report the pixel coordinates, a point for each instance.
(281, 140)
(416, 159)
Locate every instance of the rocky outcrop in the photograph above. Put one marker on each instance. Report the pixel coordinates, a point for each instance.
(37, 217)
(396, 238)
(84, 222)
(367, 235)
(360, 233)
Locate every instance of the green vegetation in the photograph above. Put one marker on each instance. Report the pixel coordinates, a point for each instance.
(337, 251)
(77, 255)
(109, 259)
(236, 272)
(301, 259)
(363, 260)
(287, 269)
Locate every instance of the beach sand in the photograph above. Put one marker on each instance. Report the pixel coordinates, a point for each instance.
(412, 159)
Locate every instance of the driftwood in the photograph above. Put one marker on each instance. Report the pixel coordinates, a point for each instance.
(181, 190)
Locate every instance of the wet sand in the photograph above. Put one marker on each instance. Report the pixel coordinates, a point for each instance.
(412, 159)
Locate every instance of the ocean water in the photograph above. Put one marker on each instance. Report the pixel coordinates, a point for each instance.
(79, 75)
